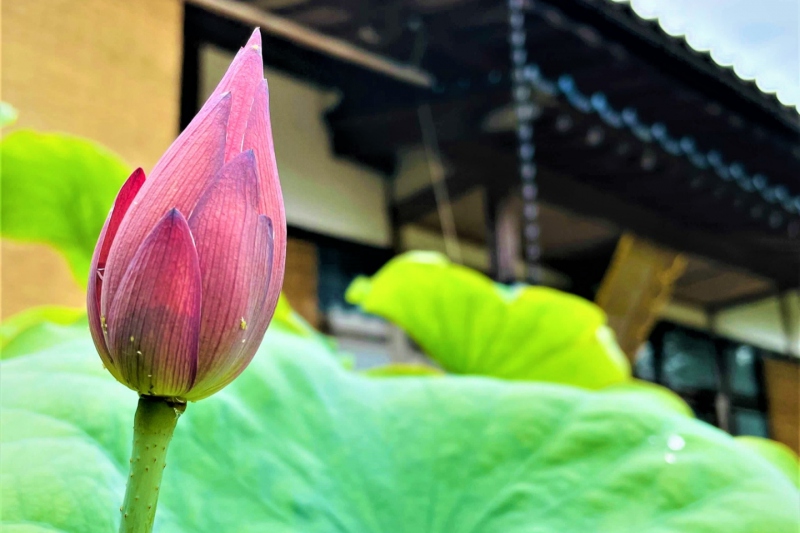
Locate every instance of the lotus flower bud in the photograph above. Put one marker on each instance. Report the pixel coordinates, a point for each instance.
(188, 268)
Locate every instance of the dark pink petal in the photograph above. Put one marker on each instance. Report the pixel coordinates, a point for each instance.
(93, 308)
(177, 181)
(154, 320)
(245, 345)
(224, 226)
(124, 200)
(258, 137)
(121, 204)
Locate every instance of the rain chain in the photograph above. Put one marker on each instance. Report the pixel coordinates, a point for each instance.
(525, 111)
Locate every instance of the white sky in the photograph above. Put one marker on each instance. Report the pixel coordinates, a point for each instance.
(759, 38)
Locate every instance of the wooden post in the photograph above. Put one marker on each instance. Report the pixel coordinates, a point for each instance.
(503, 225)
(782, 378)
(636, 287)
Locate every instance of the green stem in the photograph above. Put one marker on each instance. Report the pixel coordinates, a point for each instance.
(152, 430)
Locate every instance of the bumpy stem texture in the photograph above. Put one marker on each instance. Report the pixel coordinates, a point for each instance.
(152, 430)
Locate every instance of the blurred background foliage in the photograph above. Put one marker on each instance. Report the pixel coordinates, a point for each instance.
(57, 190)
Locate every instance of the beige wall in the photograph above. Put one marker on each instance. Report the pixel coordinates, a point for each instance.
(104, 69)
(759, 323)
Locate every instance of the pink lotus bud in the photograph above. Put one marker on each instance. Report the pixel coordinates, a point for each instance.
(187, 271)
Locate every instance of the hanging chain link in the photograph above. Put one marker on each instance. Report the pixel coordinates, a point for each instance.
(525, 111)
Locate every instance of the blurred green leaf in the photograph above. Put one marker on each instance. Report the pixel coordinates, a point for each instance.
(38, 328)
(290, 319)
(470, 325)
(668, 399)
(57, 190)
(780, 455)
(396, 370)
(8, 115)
(299, 444)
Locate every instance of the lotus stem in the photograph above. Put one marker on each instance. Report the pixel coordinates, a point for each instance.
(153, 426)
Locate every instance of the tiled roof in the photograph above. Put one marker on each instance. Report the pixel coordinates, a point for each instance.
(758, 42)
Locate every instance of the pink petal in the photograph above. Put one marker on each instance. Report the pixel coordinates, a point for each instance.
(245, 345)
(260, 289)
(224, 226)
(154, 320)
(254, 43)
(241, 79)
(124, 200)
(255, 39)
(258, 137)
(177, 181)
(121, 204)
(242, 87)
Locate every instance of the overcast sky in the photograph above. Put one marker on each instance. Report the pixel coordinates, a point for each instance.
(759, 38)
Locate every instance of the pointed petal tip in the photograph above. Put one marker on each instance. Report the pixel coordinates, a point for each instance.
(125, 196)
(175, 214)
(175, 218)
(255, 39)
(243, 163)
(137, 175)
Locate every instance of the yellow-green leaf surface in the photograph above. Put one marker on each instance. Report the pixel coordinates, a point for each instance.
(470, 325)
(298, 444)
(58, 189)
(290, 319)
(403, 369)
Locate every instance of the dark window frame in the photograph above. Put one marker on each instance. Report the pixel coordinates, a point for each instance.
(716, 405)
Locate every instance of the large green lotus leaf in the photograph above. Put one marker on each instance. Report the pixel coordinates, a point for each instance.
(780, 455)
(470, 325)
(37, 328)
(667, 398)
(57, 190)
(299, 444)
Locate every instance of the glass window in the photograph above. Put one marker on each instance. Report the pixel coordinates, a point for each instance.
(750, 422)
(645, 367)
(741, 361)
(339, 264)
(689, 361)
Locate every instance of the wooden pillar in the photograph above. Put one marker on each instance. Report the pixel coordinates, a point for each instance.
(301, 281)
(722, 402)
(782, 378)
(503, 225)
(636, 287)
